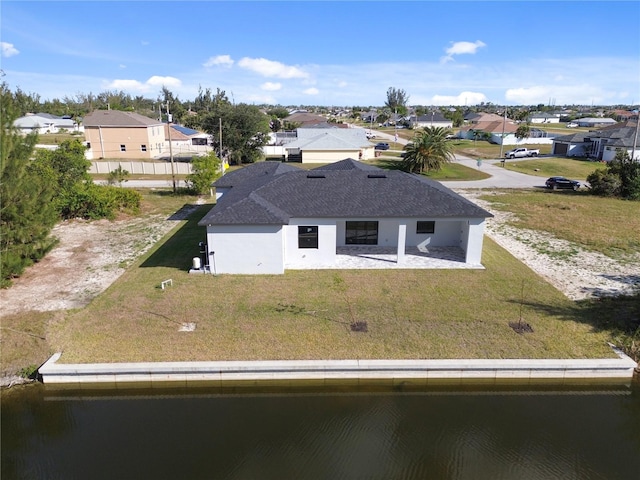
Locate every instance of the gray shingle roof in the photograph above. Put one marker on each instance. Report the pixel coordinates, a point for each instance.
(267, 197)
(116, 118)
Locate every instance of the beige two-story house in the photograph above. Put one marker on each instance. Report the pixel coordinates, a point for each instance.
(114, 134)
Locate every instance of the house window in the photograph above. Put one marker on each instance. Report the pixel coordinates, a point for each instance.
(307, 237)
(143, 148)
(123, 148)
(425, 227)
(362, 233)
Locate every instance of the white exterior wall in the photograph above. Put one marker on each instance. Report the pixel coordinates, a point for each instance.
(471, 240)
(446, 234)
(250, 249)
(576, 150)
(609, 153)
(550, 119)
(325, 254)
(327, 156)
(511, 139)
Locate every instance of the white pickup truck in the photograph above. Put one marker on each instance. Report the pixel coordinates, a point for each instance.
(521, 152)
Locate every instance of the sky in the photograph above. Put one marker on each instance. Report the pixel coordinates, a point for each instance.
(346, 53)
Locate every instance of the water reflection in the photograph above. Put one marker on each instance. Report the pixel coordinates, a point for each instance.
(310, 433)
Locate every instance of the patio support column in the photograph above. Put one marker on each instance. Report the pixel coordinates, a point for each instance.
(402, 238)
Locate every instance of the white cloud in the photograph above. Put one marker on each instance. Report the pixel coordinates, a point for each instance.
(270, 86)
(270, 68)
(223, 60)
(342, 84)
(145, 42)
(164, 81)
(8, 50)
(463, 98)
(122, 65)
(137, 86)
(127, 85)
(579, 94)
(311, 91)
(462, 48)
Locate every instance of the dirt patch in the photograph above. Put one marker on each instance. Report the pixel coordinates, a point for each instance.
(91, 255)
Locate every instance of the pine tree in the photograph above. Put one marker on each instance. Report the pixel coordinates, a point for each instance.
(27, 212)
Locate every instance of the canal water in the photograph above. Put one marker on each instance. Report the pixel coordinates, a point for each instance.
(438, 433)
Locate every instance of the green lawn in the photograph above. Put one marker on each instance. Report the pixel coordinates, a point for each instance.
(449, 171)
(606, 225)
(556, 166)
(307, 314)
(481, 149)
(56, 138)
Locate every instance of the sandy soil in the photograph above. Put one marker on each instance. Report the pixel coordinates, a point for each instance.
(576, 272)
(92, 255)
(89, 257)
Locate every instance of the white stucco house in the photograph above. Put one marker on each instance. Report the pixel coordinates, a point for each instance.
(43, 123)
(327, 145)
(273, 216)
(542, 117)
(431, 119)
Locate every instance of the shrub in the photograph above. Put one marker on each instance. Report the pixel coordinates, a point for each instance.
(621, 179)
(118, 176)
(604, 183)
(91, 201)
(205, 170)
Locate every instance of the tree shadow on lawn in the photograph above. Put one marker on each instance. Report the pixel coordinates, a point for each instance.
(179, 250)
(619, 315)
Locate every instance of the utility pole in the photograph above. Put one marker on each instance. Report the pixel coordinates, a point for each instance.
(221, 159)
(173, 173)
(635, 141)
(504, 121)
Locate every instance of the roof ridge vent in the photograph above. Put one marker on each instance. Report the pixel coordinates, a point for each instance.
(376, 175)
(316, 175)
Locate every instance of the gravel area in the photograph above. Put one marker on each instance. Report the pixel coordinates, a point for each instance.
(576, 272)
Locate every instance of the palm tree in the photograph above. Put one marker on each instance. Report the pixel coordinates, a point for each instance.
(428, 150)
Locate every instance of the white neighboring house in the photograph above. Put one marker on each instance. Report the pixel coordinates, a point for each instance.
(595, 122)
(43, 123)
(272, 216)
(328, 145)
(431, 119)
(544, 118)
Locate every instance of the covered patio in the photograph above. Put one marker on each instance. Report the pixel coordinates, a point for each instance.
(374, 257)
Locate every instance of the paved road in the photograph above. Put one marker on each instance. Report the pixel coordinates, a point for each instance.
(500, 177)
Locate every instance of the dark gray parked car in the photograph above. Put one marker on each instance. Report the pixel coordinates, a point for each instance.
(561, 182)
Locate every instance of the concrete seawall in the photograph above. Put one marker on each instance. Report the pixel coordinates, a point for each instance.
(390, 373)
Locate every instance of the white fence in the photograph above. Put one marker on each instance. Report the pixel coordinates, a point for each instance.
(141, 168)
